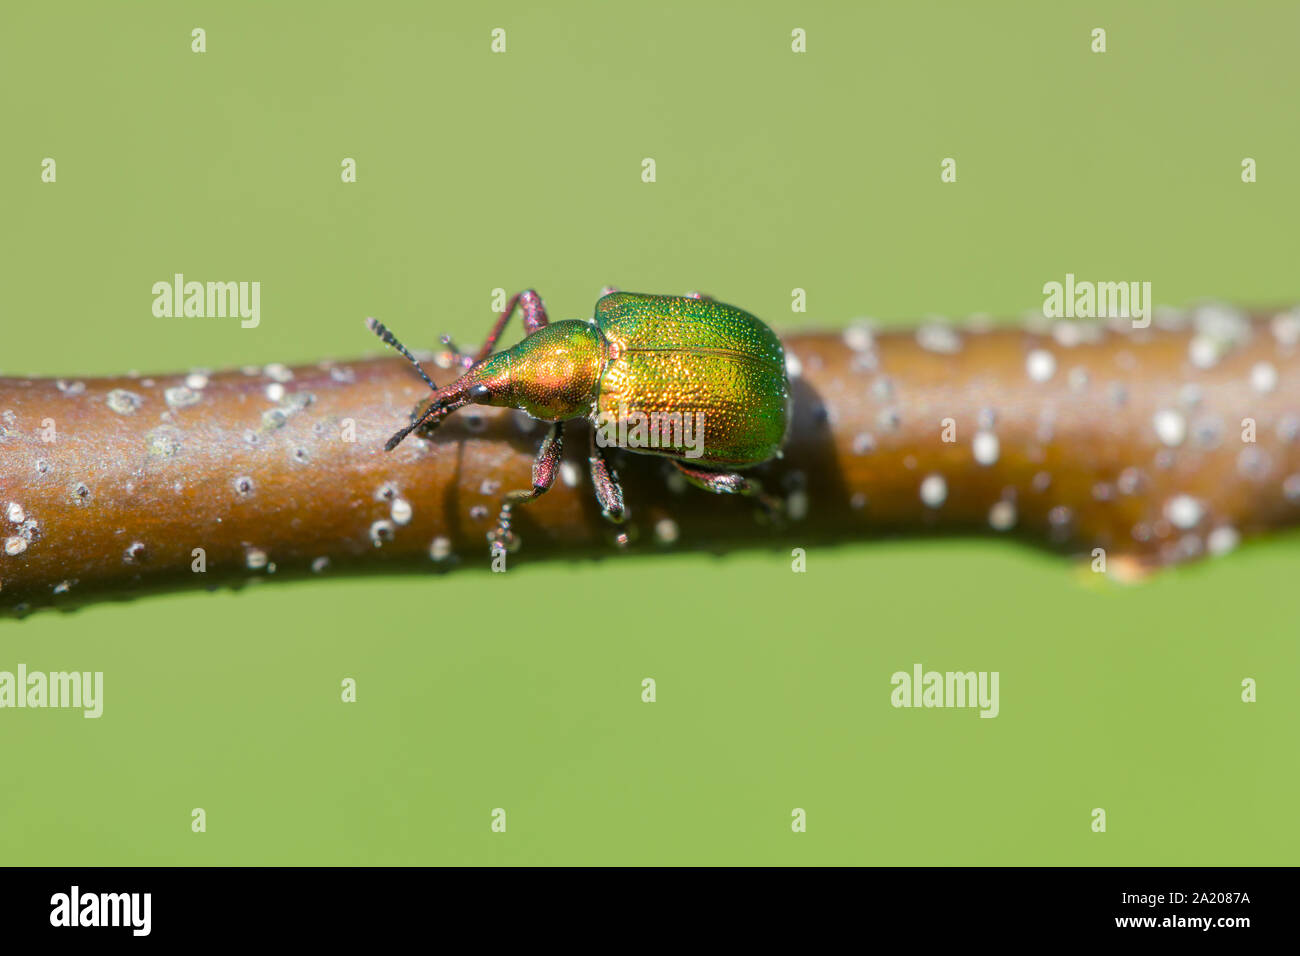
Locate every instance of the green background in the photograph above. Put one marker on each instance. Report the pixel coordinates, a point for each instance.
(775, 171)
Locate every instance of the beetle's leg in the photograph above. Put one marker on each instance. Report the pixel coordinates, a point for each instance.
(731, 483)
(608, 491)
(545, 469)
(463, 359)
(530, 303)
(607, 290)
(699, 295)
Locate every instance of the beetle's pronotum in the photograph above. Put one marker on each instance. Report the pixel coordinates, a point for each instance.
(1156, 445)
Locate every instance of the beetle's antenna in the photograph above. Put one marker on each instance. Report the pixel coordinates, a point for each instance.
(397, 439)
(436, 412)
(381, 330)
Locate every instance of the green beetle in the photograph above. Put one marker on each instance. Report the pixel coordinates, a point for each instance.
(684, 377)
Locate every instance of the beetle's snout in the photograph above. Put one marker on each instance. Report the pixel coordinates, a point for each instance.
(428, 414)
(487, 383)
(426, 409)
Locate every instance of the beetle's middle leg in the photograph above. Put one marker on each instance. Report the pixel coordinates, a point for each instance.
(732, 483)
(530, 304)
(609, 493)
(545, 469)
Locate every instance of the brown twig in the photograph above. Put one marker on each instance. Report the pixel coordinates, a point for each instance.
(1088, 437)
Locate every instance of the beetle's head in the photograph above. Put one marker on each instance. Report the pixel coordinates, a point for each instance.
(552, 375)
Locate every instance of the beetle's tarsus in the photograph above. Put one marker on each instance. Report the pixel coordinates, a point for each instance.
(545, 468)
(503, 538)
(773, 509)
(732, 483)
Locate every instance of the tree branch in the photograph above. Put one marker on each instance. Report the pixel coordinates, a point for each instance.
(1088, 437)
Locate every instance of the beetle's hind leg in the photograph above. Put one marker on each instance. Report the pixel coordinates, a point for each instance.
(733, 483)
(545, 469)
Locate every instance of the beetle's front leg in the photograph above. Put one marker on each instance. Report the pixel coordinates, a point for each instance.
(530, 304)
(732, 483)
(608, 491)
(545, 469)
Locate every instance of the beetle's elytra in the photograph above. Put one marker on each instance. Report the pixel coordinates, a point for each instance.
(700, 382)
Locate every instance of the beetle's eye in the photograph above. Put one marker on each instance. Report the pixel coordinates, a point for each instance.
(480, 393)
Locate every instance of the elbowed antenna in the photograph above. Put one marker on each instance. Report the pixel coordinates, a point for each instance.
(381, 330)
(397, 438)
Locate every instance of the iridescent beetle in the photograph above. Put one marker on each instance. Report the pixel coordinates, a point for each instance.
(645, 358)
